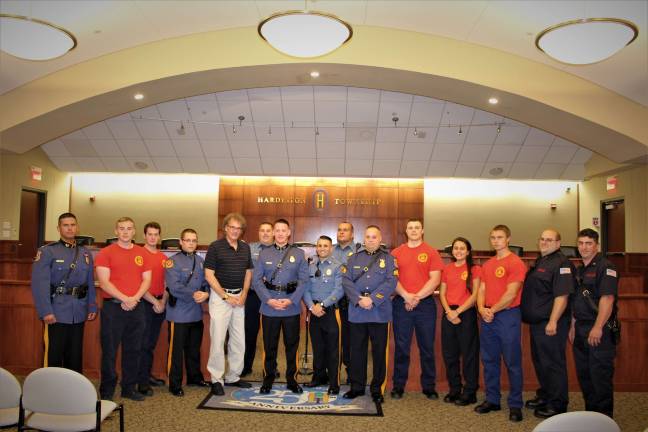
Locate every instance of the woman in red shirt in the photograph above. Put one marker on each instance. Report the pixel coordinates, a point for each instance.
(459, 334)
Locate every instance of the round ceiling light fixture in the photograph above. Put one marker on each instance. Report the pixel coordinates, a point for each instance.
(586, 41)
(34, 39)
(305, 34)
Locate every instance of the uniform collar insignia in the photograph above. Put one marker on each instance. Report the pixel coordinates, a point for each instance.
(281, 247)
(67, 245)
(187, 253)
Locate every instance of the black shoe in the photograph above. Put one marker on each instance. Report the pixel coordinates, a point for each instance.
(201, 383)
(145, 390)
(451, 397)
(333, 390)
(133, 395)
(536, 402)
(466, 400)
(314, 384)
(352, 394)
(245, 372)
(515, 415)
(266, 388)
(431, 394)
(397, 393)
(546, 412)
(217, 389)
(295, 388)
(155, 382)
(377, 397)
(240, 384)
(277, 374)
(177, 392)
(486, 407)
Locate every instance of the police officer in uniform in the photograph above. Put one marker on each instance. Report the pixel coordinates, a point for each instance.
(321, 297)
(369, 281)
(279, 280)
(252, 303)
(64, 295)
(185, 280)
(545, 307)
(343, 249)
(593, 335)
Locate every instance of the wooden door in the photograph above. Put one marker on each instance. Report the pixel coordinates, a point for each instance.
(32, 223)
(614, 227)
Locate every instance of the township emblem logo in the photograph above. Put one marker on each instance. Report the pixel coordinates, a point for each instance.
(422, 257)
(500, 272)
(285, 400)
(139, 260)
(319, 199)
(464, 275)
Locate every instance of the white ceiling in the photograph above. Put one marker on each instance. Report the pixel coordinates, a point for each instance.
(104, 26)
(357, 138)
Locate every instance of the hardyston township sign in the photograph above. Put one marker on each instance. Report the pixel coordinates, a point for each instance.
(320, 200)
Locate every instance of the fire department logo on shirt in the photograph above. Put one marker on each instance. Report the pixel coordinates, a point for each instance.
(464, 275)
(382, 263)
(139, 260)
(167, 263)
(422, 257)
(500, 272)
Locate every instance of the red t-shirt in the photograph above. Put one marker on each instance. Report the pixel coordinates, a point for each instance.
(158, 261)
(126, 267)
(415, 264)
(455, 279)
(499, 273)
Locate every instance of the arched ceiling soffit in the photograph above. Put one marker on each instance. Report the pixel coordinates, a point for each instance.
(426, 65)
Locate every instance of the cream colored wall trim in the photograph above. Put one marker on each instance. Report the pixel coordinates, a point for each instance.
(410, 62)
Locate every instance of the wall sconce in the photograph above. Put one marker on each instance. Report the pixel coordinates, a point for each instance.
(553, 206)
(93, 198)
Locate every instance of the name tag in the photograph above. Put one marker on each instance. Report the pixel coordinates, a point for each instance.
(60, 260)
(565, 270)
(269, 262)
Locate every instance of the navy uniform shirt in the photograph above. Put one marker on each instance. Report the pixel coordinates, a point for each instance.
(182, 284)
(378, 282)
(50, 267)
(255, 250)
(342, 254)
(552, 276)
(599, 278)
(293, 269)
(326, 286)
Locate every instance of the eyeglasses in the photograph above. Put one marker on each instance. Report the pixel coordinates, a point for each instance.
(189, 240)
(234, 228)
(548, 240)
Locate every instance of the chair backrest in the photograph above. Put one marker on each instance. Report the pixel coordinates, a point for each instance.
(517, 250)
(448, 249)
(54, 390)
(111, 240)
(170, 243)
(9, 390)
(82, 240)
(570, 251)
(577, 421)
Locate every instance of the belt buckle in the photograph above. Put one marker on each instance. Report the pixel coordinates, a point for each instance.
(60, 290)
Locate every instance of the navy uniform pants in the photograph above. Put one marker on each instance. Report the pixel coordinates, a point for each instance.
(272, 327)
(361, 334)
(184, 341)
(64, 346)
(252, 325)
(421, 320)
(345, 330)
(595, 368)
(325, 338)
(152, 325)
(548, 355)
(126, 328)
(460, 345)
(500, 339)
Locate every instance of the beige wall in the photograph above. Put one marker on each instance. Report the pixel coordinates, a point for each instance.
(176, 201)
(633, 187)
(15, 174)
(470, 208)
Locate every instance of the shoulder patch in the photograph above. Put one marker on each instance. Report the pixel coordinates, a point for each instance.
(379, 296)
(610, 272)
(168, 263)
(565, 270)
(38, 255)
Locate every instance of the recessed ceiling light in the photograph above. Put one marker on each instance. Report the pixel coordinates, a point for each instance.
(586, 41)
(496, 171)
(34, 39)
(493, 101)
(314, 74)
(138, 96)
(141, 165)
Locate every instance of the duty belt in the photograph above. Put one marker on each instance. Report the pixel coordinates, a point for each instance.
(325, 308)
(77, 291)
(232, 291)
(289, 288)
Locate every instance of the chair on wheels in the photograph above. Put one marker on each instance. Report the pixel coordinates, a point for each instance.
(577, 421)
(517, 250)
(170, 244)
(63, 400)
(9, 398)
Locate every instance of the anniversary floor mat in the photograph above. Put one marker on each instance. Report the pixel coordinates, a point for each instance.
(281, 400)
